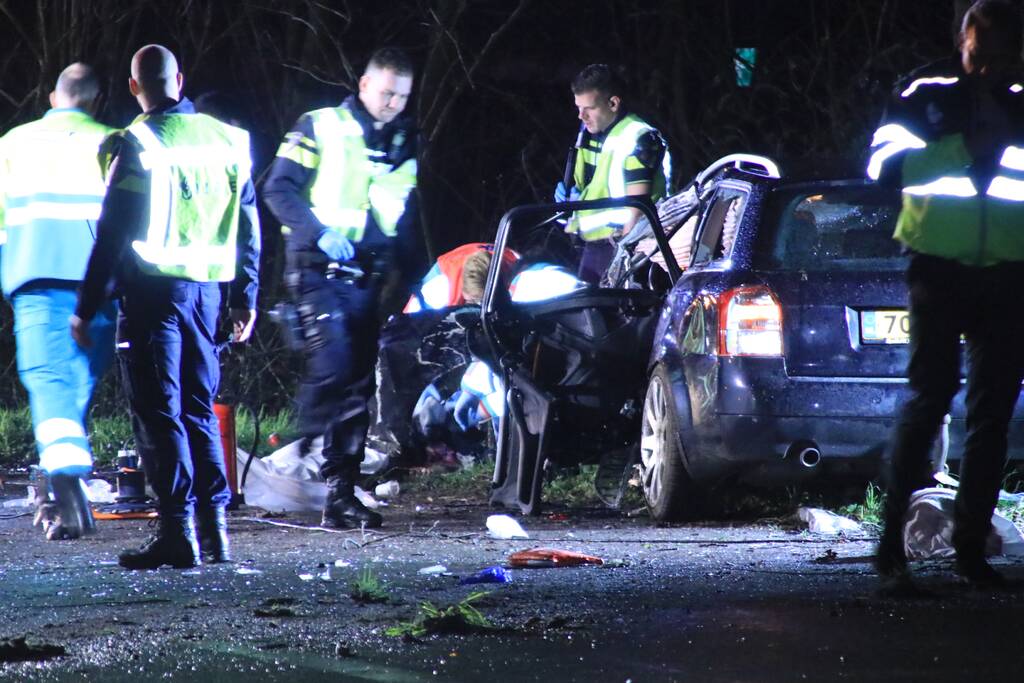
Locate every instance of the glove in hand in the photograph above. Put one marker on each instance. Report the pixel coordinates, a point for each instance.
(335, 246)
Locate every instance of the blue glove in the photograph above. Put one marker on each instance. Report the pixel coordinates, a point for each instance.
(560, 195)
(466, 411)
(335, 246)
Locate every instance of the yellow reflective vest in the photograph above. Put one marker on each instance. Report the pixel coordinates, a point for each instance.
(351, 182)
(197, 167)
(611, 162)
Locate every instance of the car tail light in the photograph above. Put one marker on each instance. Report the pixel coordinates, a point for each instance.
(749, 322)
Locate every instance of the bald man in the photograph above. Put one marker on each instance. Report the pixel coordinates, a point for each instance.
(51, 189)
(178, 220)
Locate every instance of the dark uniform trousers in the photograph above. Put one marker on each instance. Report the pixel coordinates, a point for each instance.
(984, 304)
(340, 330)
(595, 258)
(170, 369)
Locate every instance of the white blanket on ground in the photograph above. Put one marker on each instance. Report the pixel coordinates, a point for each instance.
(928, 531)
(287, 480)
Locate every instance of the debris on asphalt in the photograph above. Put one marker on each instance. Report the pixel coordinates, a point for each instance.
(100, 491)
(433, 570)
(489, 575)
(551, 557)
(276, 607)
(29, 501)
(20, 650)
(615, 563)
(504, 527)
(828, 557)
(828, 523)
(387, 490)
(274, 612)
(343, 649)
(367, 499)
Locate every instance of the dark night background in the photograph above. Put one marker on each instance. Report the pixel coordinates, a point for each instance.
(491, 94)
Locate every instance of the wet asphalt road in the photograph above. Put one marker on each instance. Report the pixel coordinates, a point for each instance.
(718, 602)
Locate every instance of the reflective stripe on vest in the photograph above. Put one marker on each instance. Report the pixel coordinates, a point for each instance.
(350, 181)
(609, 181)
(890, 139)
(943, 213)
(192, 231)
(51, 193)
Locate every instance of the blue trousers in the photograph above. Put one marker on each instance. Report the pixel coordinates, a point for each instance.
(59, 375)
(170, 370)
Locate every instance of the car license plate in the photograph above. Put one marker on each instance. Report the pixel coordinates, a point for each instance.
(884, 327)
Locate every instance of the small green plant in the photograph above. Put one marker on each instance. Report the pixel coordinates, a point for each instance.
(368, 588)
(468, 482)
(1012, 510)
(870, 511)
(573, 487)
(17, 442)
(108, 435)
(281, 423)
(461, 618)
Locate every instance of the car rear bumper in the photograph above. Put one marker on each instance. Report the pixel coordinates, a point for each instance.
(759, 419)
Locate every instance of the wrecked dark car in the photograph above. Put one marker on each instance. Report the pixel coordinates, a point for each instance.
(776, 356)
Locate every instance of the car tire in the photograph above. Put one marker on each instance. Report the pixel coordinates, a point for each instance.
(669, 490)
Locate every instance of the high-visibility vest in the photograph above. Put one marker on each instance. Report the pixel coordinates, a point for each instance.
(442, 286)
(609, 180)
(198, 167)
(944, 214)
(352, 180)
(51, 192)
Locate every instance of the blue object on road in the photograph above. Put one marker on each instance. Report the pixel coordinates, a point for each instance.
(493, 574)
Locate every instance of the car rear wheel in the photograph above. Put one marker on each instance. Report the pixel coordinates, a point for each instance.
(670, 492)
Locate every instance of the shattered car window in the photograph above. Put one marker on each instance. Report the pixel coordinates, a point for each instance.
(719, 232)
(837, 229)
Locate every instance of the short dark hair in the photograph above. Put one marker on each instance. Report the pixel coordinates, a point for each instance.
(999, 14)
(600, 78)
(393, 59)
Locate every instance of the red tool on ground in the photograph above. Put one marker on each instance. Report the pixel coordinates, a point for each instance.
(550, 557)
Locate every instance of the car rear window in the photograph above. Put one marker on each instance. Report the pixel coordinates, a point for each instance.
(839, 228)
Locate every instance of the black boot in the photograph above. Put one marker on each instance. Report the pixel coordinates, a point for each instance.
(971, 564)
(342, 509)
(213, 534)
(174, 544)
(890, 556)
(68, 516)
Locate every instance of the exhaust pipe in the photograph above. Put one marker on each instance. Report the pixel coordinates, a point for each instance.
(809, 457)
(805, 452)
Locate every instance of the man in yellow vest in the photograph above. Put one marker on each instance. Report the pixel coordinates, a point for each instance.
(178, 220)
(953, 143)
(51, 189)
(343, 186)
(618, 155)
